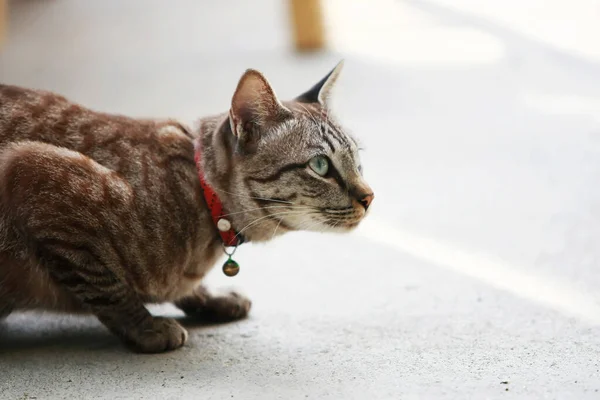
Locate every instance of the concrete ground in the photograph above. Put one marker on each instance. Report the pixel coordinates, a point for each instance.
(475, 276)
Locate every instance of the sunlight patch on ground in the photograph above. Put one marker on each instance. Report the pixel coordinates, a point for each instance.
(547, 291)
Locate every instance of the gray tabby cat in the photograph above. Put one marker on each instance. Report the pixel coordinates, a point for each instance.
(102, 213)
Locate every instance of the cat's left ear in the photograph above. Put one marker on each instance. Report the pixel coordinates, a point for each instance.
(321, 91)
(254, 108)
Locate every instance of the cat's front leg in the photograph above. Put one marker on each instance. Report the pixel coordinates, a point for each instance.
(115, 304)
(226, 307)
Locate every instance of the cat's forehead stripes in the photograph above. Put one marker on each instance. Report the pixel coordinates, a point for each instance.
(329, 132)
(329, 143)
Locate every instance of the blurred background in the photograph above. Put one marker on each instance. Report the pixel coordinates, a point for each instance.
(477, 272)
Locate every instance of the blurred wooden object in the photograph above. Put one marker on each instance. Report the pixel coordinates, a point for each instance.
(307, 21)
(3, 20)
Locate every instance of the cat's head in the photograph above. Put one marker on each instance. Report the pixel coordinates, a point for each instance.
(290, 165)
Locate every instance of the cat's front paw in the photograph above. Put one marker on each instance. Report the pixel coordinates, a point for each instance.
(225, 307)
(229, 307)
(157, 335)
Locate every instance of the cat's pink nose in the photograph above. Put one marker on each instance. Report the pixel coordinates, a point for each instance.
(366, 200)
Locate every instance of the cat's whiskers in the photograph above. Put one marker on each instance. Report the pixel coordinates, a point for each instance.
(269, 207)
(336, 224)
(276, 227)
(310, 223)
(300, 227)
(304, 222)
(252, 197)
(316, 222)
(269, 216)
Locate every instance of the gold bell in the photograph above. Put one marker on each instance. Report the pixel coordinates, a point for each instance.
(231, 268)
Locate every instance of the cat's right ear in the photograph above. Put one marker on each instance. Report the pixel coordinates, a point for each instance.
(320, 92)
(254, 109)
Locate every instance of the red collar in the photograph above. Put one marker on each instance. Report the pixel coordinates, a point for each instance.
(218, 214)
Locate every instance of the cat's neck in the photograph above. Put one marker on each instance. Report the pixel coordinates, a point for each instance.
(214, 146)
(217, 144)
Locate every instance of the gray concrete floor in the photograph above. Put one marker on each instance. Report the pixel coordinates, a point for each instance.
(476, 275)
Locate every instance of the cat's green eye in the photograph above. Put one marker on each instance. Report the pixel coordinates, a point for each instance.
(319, 164)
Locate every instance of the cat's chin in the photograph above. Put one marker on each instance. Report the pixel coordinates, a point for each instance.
(345, 228)
(348, 228)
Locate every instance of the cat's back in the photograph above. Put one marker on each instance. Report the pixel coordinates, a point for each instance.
(26, 111)
(37, 115)
(115, 141)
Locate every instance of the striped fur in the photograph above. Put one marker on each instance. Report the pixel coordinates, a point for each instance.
(103, 213)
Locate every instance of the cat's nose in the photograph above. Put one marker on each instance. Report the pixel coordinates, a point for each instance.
(366, 200)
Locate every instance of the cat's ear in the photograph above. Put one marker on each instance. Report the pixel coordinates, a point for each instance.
(321, 91)
(254, 108)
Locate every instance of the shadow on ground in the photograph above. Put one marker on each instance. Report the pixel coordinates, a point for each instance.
(70, 333)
